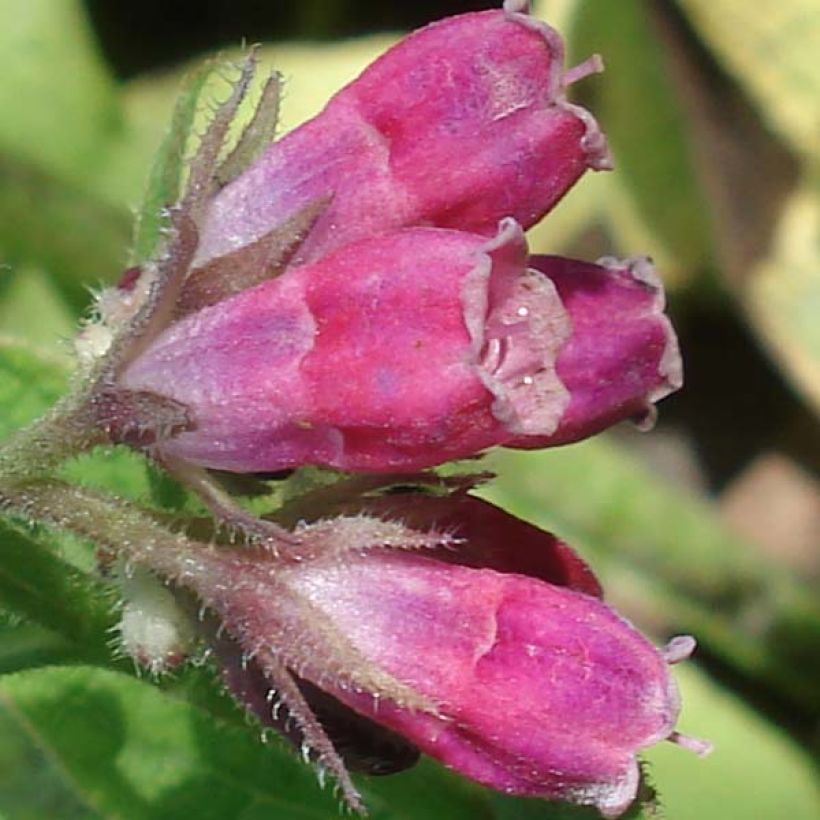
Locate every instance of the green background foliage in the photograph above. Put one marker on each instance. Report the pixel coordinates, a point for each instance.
(712, 111)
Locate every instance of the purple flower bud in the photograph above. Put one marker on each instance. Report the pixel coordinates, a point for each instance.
(411, 349)
(462, 123)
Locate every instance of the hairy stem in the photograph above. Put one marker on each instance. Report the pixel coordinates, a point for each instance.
(227, 511)
(109, 522)
(41, 446)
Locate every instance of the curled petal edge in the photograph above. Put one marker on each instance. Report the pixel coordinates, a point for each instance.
(517, 325)
(670, 366)
(593, 142)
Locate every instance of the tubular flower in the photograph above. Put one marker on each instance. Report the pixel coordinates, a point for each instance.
(540, 691)
(526, 683)
(410, 349)
(361, 296)
(462, 123)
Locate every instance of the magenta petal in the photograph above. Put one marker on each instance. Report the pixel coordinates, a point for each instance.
(460, 124)
(622, 354)
(542, 691)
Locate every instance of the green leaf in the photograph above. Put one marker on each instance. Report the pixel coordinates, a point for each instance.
(129, 751)
(59, 104)
(49, 591)
(771, 49)
(31, 380)
(636, 104)
(165, 178)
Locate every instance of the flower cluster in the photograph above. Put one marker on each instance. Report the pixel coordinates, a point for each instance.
(361, 297)
(410, 327)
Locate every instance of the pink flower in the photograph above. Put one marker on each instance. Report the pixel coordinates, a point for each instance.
(410, 349)
(388, 344)
(526, 683)
(461, 124)
(541, 691)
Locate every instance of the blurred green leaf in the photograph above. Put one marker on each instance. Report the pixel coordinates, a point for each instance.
(635, 103)
(782, 295)
(772, 51)
(59, 104)
(79, 240)
(61, 119)
(567, 227)
(130, 751)
(25, 645)
(558, 13)
(754, 771)
(32, 787)
(33, 310)
(31, 380)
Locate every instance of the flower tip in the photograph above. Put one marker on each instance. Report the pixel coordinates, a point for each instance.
(645, 421)
(679, 648)
(516, 7)
(594, 143)
(696, 745)
(613, 799)
(592, 65)
(670, 366)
